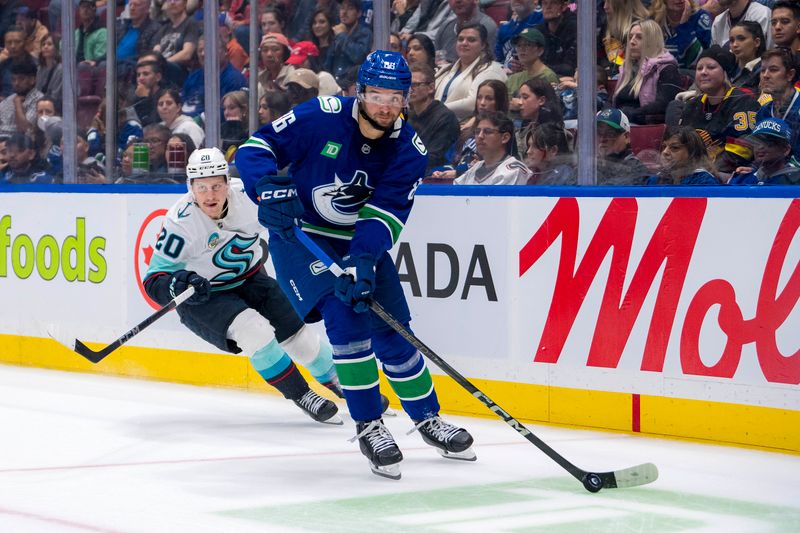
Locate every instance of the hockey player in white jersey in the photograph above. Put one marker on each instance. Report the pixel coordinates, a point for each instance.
(211, 241)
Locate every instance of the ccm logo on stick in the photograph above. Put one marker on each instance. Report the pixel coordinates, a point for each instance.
(284, 193)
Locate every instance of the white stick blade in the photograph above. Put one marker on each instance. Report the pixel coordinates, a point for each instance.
(60, 335)
(636, 475)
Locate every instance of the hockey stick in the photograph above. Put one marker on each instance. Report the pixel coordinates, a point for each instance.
(97, 356)
(592, 481)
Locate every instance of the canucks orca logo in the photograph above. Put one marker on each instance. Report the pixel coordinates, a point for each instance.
(234, 258)
(339, 202)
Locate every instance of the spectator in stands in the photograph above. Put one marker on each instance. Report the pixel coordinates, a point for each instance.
(735, 11)
(272, 106)
(537, 104)
(8, 14)
(90, 43)
(126, 164)
(403, 11)
(24, 165)
(684, 160)
(529, 46)
(273, 20)
(18, 110)
(48, 111)
(49, 76)
(236, 54)
(234, 127)
(467, 14)
(616, 163)
(352, 41)
(686, 29)
(494, 139)
(302, 85)
(303, 53)
(177, 40)
(33, 29)
(779, 73)
(785, 22)
(275, 50)
(722, 112)
(568, 93)
(156, 136)
(560, 30)
(395, 44)
(14, 40)
(457, 85)
(435, 124)
(649, 77)
(620, 15)
(523, 15)
(549, 156)
(774, 164)
(169, 111)
(747, 43)
(322, 36)
(492, 97)
(128, 127)
(194, 89)
(420, 51)
(135, 35)
(90, 169)
(143, 96)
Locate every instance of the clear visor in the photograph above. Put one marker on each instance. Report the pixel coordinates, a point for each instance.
(396, 100)
(202, 188)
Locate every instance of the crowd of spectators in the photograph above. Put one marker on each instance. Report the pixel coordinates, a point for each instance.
(688, 91)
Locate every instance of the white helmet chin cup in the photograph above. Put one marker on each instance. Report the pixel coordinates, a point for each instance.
(205, 163)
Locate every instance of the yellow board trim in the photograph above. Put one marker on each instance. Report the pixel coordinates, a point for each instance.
(745, 425)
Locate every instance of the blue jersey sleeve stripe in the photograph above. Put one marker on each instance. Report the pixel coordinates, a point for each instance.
(254, 142)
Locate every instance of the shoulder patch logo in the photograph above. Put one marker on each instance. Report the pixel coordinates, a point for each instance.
(331, 149)
(213, 240)
(329, 104)
(419, 145)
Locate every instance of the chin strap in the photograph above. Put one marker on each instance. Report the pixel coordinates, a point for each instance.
(363, 114)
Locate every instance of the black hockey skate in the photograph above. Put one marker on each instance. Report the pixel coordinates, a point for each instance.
(334, 386)
(319, 408)
(378, 445)
(450, 441)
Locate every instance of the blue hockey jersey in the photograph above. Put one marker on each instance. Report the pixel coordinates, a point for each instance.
(351, 187)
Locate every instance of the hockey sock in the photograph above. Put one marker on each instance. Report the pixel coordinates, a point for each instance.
(272, 363)
(305, 347)
(412, 383)
(358, 375)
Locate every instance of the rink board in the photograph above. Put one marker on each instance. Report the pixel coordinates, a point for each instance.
(668, 315)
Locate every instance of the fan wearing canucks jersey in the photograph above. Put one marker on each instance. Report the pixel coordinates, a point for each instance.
(210, 240)
(354, 165)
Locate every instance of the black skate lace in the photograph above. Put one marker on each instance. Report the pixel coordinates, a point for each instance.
(312, 401)
(437, 428)
(378, 436)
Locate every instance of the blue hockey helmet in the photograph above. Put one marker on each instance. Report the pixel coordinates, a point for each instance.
(386, 70)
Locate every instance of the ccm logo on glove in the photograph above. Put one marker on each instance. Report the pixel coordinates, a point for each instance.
(278, 194)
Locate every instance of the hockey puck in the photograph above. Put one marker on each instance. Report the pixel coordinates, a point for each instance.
(592, 482)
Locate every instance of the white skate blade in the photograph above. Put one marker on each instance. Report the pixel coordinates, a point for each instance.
(389, 412)
(388, 471)
(335, 420)
(466, 455)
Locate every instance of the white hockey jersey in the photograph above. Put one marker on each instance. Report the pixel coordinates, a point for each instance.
(509, 171)
(219, 250)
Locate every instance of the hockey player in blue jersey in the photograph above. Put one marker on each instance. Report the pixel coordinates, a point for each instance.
(210, 240)
(354, 165)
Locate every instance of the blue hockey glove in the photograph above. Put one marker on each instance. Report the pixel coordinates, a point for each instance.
(182, 279)
(355, 286)
(279, 207)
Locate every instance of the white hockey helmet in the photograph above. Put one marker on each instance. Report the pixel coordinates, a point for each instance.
(205, 163)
